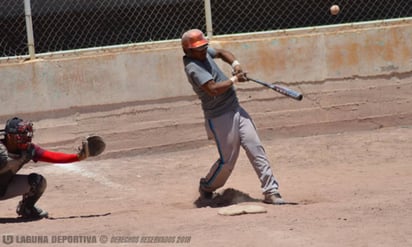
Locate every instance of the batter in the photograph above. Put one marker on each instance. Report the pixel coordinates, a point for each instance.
(226, 121)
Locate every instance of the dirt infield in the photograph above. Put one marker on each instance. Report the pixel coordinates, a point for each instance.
(343, 155)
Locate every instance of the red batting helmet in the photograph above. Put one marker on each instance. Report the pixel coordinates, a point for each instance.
(193, 38)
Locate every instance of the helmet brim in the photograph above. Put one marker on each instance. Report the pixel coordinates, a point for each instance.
(198, 44)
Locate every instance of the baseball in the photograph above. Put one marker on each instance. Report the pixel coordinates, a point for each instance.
(334, 9)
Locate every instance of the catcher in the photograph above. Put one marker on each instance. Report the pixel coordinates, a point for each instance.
(17, 149)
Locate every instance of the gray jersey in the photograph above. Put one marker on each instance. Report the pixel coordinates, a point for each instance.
(199, 73)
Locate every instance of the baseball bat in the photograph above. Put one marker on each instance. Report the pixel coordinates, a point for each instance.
(280, 89)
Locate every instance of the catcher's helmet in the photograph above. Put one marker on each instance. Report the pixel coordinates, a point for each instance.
(23, 130)
(192, 39)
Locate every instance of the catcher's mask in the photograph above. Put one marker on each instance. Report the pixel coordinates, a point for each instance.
(21, 130)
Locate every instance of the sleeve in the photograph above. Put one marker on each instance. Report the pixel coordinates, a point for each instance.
(211, 52)
(53, 157)
(199, 75)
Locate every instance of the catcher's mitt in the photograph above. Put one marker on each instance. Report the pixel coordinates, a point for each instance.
(92, 145)
(96, 145)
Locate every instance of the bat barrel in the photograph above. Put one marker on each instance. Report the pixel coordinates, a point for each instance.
(283, 90)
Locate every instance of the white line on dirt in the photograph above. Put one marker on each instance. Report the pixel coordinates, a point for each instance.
(78, 169)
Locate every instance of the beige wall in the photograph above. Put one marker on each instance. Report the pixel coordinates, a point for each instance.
(149, 72)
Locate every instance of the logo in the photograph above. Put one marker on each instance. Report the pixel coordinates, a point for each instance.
(7, 239)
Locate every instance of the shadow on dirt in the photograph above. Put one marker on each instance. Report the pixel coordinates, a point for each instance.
(78, 216)
(22, 220)
(229, 197)
(16, 220)
(226, 198)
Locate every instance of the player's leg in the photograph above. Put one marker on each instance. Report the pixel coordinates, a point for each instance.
(225, 130)
(18, 186)
(31, 187)
(256, 154)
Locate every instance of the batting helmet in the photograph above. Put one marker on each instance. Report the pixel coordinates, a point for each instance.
(192, 39)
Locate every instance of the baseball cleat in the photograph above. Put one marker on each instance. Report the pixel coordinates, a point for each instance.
(274, 198)
(31, 213)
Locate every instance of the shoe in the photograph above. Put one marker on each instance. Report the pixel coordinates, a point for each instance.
(31, 213)
(205, 194)
(274, 198)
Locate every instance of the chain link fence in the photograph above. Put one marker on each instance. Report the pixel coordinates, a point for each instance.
(62, 25)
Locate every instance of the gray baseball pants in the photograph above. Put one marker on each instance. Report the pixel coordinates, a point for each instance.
(230, 131)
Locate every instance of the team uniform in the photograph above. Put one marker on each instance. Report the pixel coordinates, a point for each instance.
(7, 172)
(31, 186)
(230, 126)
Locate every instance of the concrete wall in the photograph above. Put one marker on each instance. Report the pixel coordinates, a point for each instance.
(155, 71)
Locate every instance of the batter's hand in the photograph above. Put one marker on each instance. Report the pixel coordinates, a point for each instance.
(237, 69)
(242, 76)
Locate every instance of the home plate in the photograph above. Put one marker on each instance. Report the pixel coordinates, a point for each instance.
(241, 209)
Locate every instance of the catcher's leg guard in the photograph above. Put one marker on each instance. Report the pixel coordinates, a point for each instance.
(26, 208)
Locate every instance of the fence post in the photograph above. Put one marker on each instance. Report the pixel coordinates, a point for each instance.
(29, 29)
(209, 25)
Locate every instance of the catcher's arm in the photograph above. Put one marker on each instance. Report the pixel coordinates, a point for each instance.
(44, 155)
